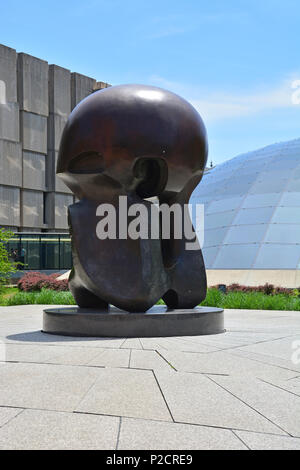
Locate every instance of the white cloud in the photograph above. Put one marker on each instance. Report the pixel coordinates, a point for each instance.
(169, 31)
(214, 105)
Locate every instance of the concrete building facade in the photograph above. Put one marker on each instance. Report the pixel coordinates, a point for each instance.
(35, 101)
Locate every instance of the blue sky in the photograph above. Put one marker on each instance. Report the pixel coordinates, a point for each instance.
(235, 60)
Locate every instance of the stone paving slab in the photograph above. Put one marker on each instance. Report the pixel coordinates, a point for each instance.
(27, 353)
(70, 355)
(182, 344)
(176, 344)
(257, 441)
(132, 343)
(290, 385)
(43, 386)
(154, 435)
(6, 414)
(237, 339)
(111, 358)
(223, 363)
(281, 349)
(284, 323)
(151, 343)
(233, 391)
(34, 429)
(267, 359)
(125, 392)
(195, 399)
(65, 355)
(150, 360)
(279, 406)
(293, 385)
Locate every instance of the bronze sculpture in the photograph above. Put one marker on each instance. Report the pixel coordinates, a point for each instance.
(137, 142)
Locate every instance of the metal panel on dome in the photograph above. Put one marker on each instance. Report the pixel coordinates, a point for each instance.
(236, 256)
(290, 199)
(259, 215)
(283, 233)
(285, 215)
(246, 233)
(269, 185)
(261, 200)
(209, 255)
(225, 204)
(252, 210)
(278, 256)
(214, 237)
(222, 219)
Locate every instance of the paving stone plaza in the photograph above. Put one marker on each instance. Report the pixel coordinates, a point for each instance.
(238, 390)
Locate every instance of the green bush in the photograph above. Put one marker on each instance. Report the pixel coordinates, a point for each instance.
(251, 301)
(215, 298)
(7, 267)
(44, 297)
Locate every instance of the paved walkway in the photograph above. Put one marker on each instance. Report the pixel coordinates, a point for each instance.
(239, 390)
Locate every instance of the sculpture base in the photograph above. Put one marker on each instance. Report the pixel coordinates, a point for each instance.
(115, 323)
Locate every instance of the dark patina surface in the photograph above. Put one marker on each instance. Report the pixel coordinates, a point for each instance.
(140, 142)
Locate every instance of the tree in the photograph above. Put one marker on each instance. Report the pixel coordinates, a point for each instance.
(7, 267)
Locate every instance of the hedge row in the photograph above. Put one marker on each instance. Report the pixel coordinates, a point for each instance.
(35, 281)
(268, 289)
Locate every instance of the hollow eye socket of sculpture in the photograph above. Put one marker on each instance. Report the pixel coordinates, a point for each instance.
(87, 162)
(152, 174)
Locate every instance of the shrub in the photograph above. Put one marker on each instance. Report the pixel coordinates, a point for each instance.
(44, 297)
(251, 300)
(267, 289)
(7, 267)
(35, 281)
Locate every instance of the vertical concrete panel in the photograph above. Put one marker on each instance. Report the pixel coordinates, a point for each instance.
(81, 87)
(9, 109)
(34, 132)
(32, 84)
(9, 206)
(50, 210)
(62, 202)
(10, 163)
(53, 182)
(59, 109)
(59, 91)
(56, 125)
(32, 208)
(60, 186)
(9, 122)
(34, 171)
(50, 170)
(8, 75)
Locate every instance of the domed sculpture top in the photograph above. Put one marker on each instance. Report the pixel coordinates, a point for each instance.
(139, 138)
(133, 142)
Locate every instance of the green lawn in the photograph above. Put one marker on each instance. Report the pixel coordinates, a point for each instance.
(12, 296)
(239, 300)
(251, 300)
(6, 292)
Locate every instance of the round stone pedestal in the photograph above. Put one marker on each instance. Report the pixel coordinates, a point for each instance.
(158, 321)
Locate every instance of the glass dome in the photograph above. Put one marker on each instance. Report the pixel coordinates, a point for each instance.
(252, 210)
